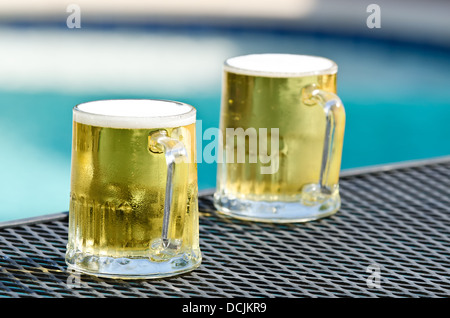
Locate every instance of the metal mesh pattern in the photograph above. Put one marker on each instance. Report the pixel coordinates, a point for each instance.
(393, 225)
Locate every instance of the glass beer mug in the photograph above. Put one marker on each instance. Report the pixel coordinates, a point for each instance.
(133, 202)
(282, 127)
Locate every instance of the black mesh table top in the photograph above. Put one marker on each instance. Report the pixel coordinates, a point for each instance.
(389, 239)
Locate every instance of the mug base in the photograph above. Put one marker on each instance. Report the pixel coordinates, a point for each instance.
(130, 268)
(275, 211)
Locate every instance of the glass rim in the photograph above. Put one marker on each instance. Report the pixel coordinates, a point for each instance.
(332, 67)
(131, 119)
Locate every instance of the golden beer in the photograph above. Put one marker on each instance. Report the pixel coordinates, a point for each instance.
(118, 194)
(269, 91)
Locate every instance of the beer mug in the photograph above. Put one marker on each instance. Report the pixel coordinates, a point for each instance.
(282, 127)
(134, 198)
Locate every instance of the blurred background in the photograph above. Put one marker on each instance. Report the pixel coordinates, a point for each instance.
(394, 80)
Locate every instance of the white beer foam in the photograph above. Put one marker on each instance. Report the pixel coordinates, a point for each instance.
(134, 113)
(280, 65)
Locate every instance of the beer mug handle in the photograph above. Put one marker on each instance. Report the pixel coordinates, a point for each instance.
(174, 151)
(331, 104)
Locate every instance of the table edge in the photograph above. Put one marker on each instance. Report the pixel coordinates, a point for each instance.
(206, 192)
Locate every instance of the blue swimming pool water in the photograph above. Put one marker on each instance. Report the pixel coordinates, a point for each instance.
(396, 96)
